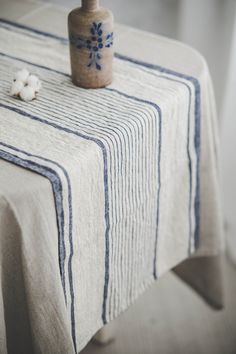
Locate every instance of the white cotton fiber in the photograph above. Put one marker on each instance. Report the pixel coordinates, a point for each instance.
(27, 93)
(21, 75)
(16, 88)
(34, 82)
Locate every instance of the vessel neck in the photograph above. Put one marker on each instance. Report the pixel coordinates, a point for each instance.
(90, 5)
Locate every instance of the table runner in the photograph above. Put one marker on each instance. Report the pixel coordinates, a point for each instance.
(124, 165)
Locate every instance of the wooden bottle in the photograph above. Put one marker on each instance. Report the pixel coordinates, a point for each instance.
(90, 30)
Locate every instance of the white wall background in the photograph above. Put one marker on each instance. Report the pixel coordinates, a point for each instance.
(208, 26)
(228, 126)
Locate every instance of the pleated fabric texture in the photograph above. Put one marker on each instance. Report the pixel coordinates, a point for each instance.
(123, 167)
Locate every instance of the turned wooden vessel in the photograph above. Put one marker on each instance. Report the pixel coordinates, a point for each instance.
(90, 30)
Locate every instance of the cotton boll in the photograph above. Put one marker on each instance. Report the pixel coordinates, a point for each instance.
(21, 75)
(16, 88)
(25, 85)
(27, 93)
(34, 82)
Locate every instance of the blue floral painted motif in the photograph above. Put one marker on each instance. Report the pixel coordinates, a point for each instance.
(94, 44)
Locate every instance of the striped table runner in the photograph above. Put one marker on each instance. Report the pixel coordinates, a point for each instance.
(124, 165)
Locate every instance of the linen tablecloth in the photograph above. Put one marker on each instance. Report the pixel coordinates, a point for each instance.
(128, 189)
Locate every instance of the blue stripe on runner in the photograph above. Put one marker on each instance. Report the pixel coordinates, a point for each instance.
(70, 224)
(37, 65)
(27, 28)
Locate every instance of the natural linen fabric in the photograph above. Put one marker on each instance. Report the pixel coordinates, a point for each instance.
(129, 190)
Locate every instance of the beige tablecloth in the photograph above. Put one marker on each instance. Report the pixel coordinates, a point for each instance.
(33, 289)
